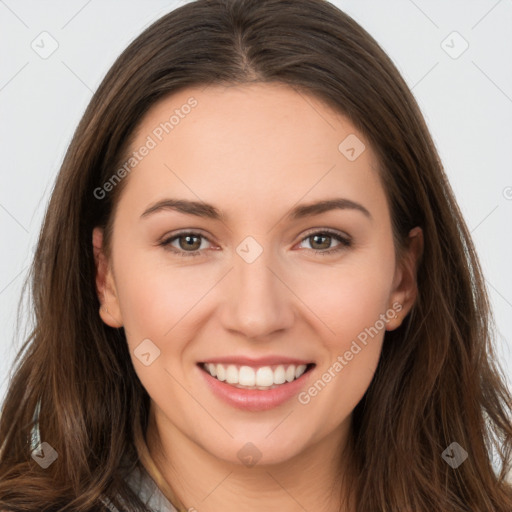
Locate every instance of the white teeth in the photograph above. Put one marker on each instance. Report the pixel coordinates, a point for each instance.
(221, 372)
(265, 376)
(279, 375)
(212, 368)
(261, 378)
(247, 376)
(300, 370)
(232, 374)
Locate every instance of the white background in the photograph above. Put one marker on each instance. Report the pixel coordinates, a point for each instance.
(467, 103)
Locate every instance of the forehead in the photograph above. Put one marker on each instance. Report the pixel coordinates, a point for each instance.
(250, 145)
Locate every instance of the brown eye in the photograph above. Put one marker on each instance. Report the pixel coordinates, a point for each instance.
(320, 242)
(189, 243)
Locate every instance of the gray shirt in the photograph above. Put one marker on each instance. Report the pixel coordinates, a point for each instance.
(141, 483)
(147, 490)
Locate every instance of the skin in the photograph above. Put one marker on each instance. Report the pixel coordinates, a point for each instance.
(254, 151)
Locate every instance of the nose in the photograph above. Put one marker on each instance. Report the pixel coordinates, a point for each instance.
(258, 301)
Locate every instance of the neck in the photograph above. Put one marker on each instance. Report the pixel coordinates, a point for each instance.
(311, 480)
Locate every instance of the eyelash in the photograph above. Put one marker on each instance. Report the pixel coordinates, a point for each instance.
(345, 242)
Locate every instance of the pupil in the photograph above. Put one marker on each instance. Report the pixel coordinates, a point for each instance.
(315, 237)
(189, 241)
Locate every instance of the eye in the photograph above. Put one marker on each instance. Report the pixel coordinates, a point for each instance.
(322, 239)
(186, 240)
(189, 242)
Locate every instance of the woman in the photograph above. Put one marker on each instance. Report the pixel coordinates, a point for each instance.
(254, 288)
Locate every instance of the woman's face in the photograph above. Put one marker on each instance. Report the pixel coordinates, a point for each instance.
(245, 274)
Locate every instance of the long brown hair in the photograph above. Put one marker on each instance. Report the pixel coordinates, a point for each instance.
(437, 381)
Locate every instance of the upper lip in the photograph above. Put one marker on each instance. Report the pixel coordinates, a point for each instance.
(261, 361)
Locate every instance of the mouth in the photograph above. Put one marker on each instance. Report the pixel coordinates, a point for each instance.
(256, 377)
(251, 385)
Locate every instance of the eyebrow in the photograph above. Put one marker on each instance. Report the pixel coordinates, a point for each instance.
(201, 209)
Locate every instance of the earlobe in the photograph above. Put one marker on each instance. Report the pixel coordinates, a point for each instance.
(105, 285)
(406, 287)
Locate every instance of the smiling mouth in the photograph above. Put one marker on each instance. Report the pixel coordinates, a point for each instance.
(261, 377)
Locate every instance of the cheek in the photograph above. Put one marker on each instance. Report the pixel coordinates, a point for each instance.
(354, 348)
(155, 299)
(359, 313)
(351, 354)
(157, 304)
(348, 299)
(352, 304)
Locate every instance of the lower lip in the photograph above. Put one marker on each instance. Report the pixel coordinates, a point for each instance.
(255, 399)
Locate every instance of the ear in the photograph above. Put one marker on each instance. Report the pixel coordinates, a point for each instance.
(110, 312)
(405, 287)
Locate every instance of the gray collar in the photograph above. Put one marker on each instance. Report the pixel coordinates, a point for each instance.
(147, 490)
